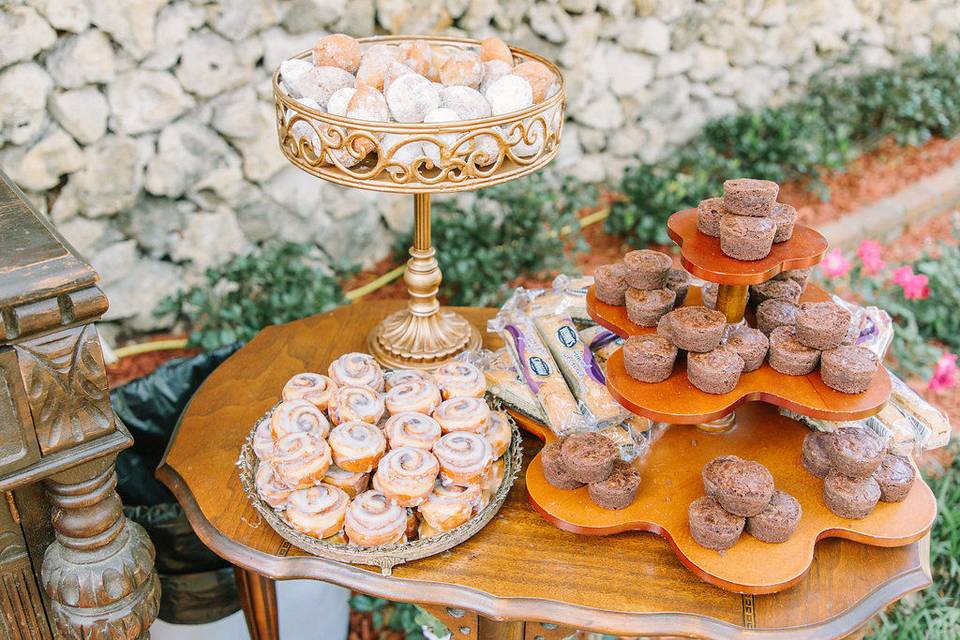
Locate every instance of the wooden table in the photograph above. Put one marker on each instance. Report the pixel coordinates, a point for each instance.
(519, 568)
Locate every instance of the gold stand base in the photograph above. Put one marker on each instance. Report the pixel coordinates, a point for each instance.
(407, 341)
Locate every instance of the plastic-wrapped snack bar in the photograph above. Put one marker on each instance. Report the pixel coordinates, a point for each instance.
(504, 383)
(904, 433)
(601, 341)
(870, 327)
(911, 404)
(568, 296)
(582, 373)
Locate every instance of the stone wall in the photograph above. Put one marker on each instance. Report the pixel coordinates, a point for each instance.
(145, 127)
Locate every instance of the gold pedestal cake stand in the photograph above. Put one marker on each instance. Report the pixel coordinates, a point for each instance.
(422, 159)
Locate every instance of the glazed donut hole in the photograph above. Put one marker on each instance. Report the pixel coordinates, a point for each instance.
(462, 68)
(494, 48)
(337, 50)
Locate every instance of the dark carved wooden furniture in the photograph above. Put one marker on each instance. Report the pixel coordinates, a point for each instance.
(90, 575)
(519, 567)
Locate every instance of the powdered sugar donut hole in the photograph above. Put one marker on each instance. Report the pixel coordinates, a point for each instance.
(482, 149)
(337, 50)
(464, 68)
(394, 71)
(493, 48)
(337, 104)
(468, 103)
(430, 149)
(291, 71)
(493, 70)
(320, 83)
(535, 133)
(416, 54)
(509, 93)
(368, 104)
(400, 148)
(440, 55)
(302, 129)
(538, 75)
(411, 97)
(373, 66)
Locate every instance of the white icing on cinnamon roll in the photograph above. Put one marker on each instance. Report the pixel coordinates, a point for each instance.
(312, 387)
(447, 507)
(318, 511)
(463, 413)
(357, 446)
(356, 404)
(498, 432)
(460, 379)
(421, 396)
(374, 519)
(357, 370)
(270, 488)
(410, 429)
(464, 457)
(301, 459)
(298, 416)
(406, 475)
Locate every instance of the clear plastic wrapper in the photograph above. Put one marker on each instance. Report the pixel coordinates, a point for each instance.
(601, 341)
(504, 383)
(568, 295)
(898, 433)
(870, 327)
(633, 436)
(924, 413)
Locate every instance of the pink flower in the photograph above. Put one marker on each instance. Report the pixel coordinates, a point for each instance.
(944, 373)
(903, 275)
(916, 287)
(869, 252)
(835, 264)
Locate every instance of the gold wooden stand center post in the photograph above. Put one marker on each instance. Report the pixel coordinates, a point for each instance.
(423, 336)
(732, 303)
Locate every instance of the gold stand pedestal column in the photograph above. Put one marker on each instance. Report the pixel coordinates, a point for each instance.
(423, 336)
(731, 302)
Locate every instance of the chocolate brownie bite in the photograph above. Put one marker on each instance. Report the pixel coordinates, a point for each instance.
(716, 371)
(619, 490)
(678, 281)
(775, 290)
(746, 238)
(742, 487)
(785, 217)
(751, 345)
(788, 355)
(850, 497)
(848, 369)
(709, 212)
(553, 468)
(800, 276)
(647, 269)
(778, 520)
(750, 197)
(855, 451)
(816, 453)
(708, 294)
(589, 457)
(715, 469)
(663, 327)
(895, 477)
(711, 526)
(645, 308)
(822, 325)
(610, 283)
(649, 357)
(697, 328)
(776, 313)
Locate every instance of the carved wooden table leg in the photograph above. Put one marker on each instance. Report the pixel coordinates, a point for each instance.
(98, 573)
(258, 597)
(499, 629)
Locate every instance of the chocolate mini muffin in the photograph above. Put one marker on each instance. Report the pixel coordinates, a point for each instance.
(697, 329)
(751, 345)
(678, 281)
(848, 369)
(646, 269)
(746, 238)
(711, 526)
(816, 453)
(785, 217)
(589, 457)
(619, 490)
(776, 313)
(822, 325)
(709, 212)
(855, 451)
(788, 355)
(663, 327)
(850, 497)
(775, 290)
(716, 371)
(778, 520)
(553, 468)
(610, 282)
(749, 197)
(895, 477)
(649, 358)
(800, 276)
(742, 487)
(708, 294)
(645, 308)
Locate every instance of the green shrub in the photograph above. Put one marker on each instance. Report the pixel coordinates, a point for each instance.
(521, 228)
(397, 616)
(277, 283)
(838, 119)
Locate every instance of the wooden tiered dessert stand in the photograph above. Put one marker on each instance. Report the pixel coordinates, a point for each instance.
(742, 422)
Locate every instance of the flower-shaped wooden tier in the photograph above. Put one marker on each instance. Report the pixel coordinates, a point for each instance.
(701, 255)
(677, 401)
(671, 481)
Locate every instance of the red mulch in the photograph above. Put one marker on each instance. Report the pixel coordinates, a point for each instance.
(141, 364)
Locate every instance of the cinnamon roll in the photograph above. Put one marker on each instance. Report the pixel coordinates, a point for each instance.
(374, 519)
(498, 432)
(421, 396)
(314, 388)
(301, 460)
(318, 511)
(492, 480)
(409, 429)
(399, 376)
(352, 482)
(464, 413)
(270, 488)
(425, 531)
(357, 446)
(357, 370)
(448, 507)
(356, 404)
(263, 440)
(464, 457)
(460, 379)
(298, 416)
(406, 475)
